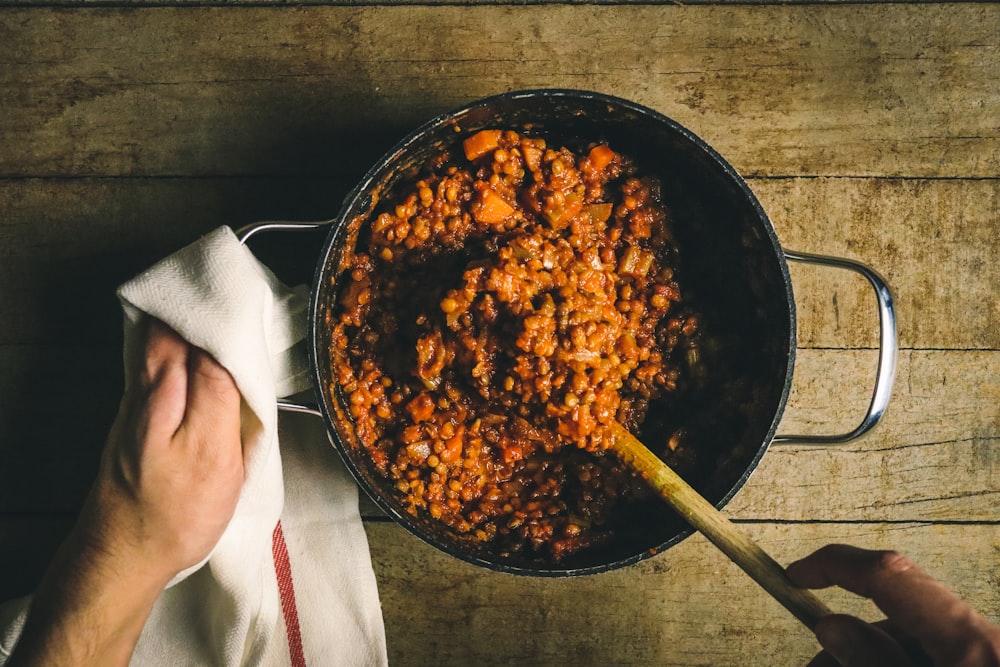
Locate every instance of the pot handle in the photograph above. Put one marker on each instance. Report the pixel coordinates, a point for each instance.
(244, 234)
(288, 405)
(888, 349)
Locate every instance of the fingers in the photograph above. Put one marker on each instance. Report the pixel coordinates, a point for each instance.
(164, 348)
(919, 606)
(213, 400)
(164, 379)
(903, 591)
(173, 469)
(186, 386)
(853, 643)
(882, 652)
(857, 570)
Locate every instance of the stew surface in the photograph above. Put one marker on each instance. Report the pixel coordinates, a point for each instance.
(497, 314)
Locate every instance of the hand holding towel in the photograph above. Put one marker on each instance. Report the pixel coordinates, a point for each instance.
(290, 582)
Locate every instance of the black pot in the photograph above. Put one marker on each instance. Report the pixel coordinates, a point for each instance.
(733, 269)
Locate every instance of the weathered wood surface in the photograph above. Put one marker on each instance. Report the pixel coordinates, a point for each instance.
(870, 131)
(686, 606)
(71, 241)
(907, 90)
(398, 3)
(934, 457)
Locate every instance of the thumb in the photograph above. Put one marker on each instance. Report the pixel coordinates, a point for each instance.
(855, 643)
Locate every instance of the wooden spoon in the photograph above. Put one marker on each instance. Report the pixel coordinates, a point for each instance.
(710, 522)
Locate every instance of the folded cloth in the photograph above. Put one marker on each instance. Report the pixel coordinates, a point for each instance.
(290, 582)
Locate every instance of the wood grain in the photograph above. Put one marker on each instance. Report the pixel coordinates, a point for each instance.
(934, 457)
(66, 244)
(687, 606)
(675, 608)
(867, 130)
(934, 240)
(396, 3)
(859, 90)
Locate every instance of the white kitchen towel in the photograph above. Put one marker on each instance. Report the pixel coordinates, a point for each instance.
(291, 581)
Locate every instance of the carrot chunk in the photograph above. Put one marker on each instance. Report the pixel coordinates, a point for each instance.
(490, 208)
(600, 156)
(481, 143)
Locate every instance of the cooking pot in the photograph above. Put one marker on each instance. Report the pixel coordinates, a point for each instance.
(733, 267)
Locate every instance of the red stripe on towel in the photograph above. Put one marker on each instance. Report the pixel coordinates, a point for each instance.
(286, 591)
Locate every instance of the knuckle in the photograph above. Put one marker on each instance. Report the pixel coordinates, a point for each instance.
(885, 572)
(205, 366)
(892, 562)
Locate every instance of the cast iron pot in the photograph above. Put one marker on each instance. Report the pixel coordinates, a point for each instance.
(733, 268)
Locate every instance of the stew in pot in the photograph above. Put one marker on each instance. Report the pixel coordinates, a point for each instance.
(496, 314)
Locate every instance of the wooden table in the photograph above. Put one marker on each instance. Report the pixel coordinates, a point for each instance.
(870, 131)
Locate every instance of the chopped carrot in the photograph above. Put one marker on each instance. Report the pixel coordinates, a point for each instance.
(600, 156)
(513, 452)
(481, 143)
(491, 208)
(452, 449)
(421, 408)
(532, 155)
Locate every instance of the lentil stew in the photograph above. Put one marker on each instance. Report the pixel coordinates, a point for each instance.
(509, 279)
(495, 319)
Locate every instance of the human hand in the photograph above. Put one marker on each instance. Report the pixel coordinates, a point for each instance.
(926, 623)
(169, 481)
(173, 466)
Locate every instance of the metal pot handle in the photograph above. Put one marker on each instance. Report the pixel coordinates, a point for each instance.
(244, 234)
(288, 405)
(888, 348)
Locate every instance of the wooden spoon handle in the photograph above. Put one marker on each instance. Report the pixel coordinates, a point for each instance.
(709, 521)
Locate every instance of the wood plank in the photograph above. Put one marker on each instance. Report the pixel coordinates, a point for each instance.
(883, 90)
(868, 130)
(27, 544)
(65, 245)
(71, 241)
(396, 3)
(56, 408)
(687, 606)
(935, 243)
(934, 457)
